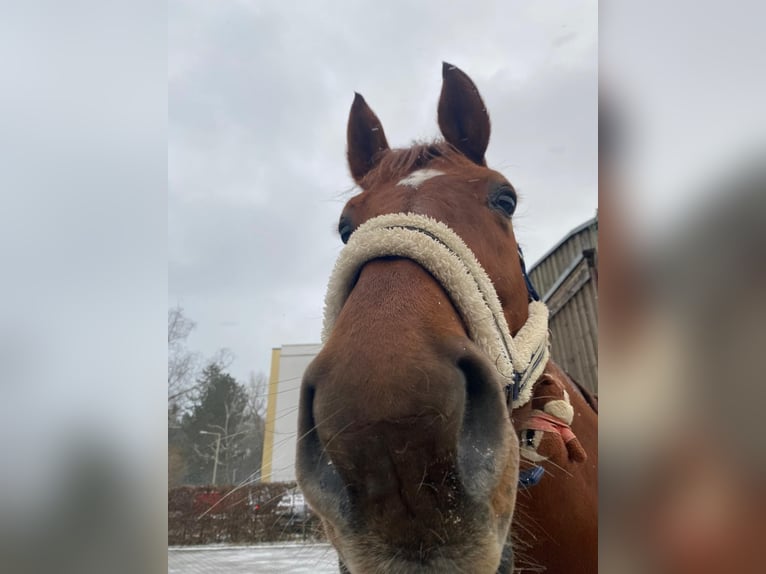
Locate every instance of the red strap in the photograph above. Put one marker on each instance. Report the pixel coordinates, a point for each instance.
(548, 423)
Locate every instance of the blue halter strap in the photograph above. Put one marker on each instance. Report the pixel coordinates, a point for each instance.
(533, 294)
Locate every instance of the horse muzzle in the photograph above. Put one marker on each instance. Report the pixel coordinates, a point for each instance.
(417, 461)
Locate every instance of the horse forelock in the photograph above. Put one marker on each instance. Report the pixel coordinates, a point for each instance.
(397, 164)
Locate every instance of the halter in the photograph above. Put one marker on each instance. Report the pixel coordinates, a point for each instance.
(512, 390)
(438, 249)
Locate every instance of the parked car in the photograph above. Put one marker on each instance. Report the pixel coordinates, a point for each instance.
(293, 504)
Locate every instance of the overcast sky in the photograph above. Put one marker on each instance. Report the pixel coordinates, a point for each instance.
(259, 94)
(688, 79)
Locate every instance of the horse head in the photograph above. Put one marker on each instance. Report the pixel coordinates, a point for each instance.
(406, 448)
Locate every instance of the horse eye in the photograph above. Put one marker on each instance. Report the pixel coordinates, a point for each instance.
(504, 200)
(345, 229)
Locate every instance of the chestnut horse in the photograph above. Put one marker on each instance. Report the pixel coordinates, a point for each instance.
(435, 435)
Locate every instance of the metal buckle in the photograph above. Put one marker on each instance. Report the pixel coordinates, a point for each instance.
(530, 476)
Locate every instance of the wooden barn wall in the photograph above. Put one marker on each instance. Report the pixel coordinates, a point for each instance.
(546, 272)
(574, 337)
(574, 328)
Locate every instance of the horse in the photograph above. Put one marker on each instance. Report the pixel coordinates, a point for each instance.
(435, 434)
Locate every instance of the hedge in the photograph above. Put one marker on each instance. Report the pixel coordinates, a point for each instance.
(237, 515)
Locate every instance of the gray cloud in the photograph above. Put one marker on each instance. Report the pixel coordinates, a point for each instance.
(258, 99)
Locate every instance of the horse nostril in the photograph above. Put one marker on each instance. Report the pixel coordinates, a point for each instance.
(316, 474)
(308, 446)
(507, 562)
(484, 430)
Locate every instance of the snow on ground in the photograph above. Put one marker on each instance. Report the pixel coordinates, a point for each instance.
(262, 559)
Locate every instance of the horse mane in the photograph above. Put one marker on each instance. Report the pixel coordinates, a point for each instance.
(394, 164)
(590, 398)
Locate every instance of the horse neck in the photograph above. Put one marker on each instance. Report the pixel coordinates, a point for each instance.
(585, 405)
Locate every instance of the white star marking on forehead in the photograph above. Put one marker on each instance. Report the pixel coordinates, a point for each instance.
(417, 177)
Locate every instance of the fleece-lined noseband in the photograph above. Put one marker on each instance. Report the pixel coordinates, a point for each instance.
(520, 360)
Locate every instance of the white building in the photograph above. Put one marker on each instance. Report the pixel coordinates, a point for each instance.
(287, 366)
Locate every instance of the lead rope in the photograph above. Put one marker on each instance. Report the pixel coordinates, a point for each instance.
(555, 418)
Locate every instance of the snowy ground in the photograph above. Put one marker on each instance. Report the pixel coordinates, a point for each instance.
(263, 559)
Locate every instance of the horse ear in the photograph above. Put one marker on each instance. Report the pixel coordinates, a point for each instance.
(366, 139)
(463, 117)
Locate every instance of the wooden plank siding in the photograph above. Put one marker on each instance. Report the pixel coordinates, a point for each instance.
(566, 279)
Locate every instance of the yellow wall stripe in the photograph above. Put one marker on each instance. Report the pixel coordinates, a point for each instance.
(271, 414)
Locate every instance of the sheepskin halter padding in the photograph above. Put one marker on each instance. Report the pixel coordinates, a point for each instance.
(520, 360)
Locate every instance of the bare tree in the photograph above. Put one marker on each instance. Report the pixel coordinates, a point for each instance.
(257, 387)
(223, 358)
(176, 466)
(183, 365)
(255, 410)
